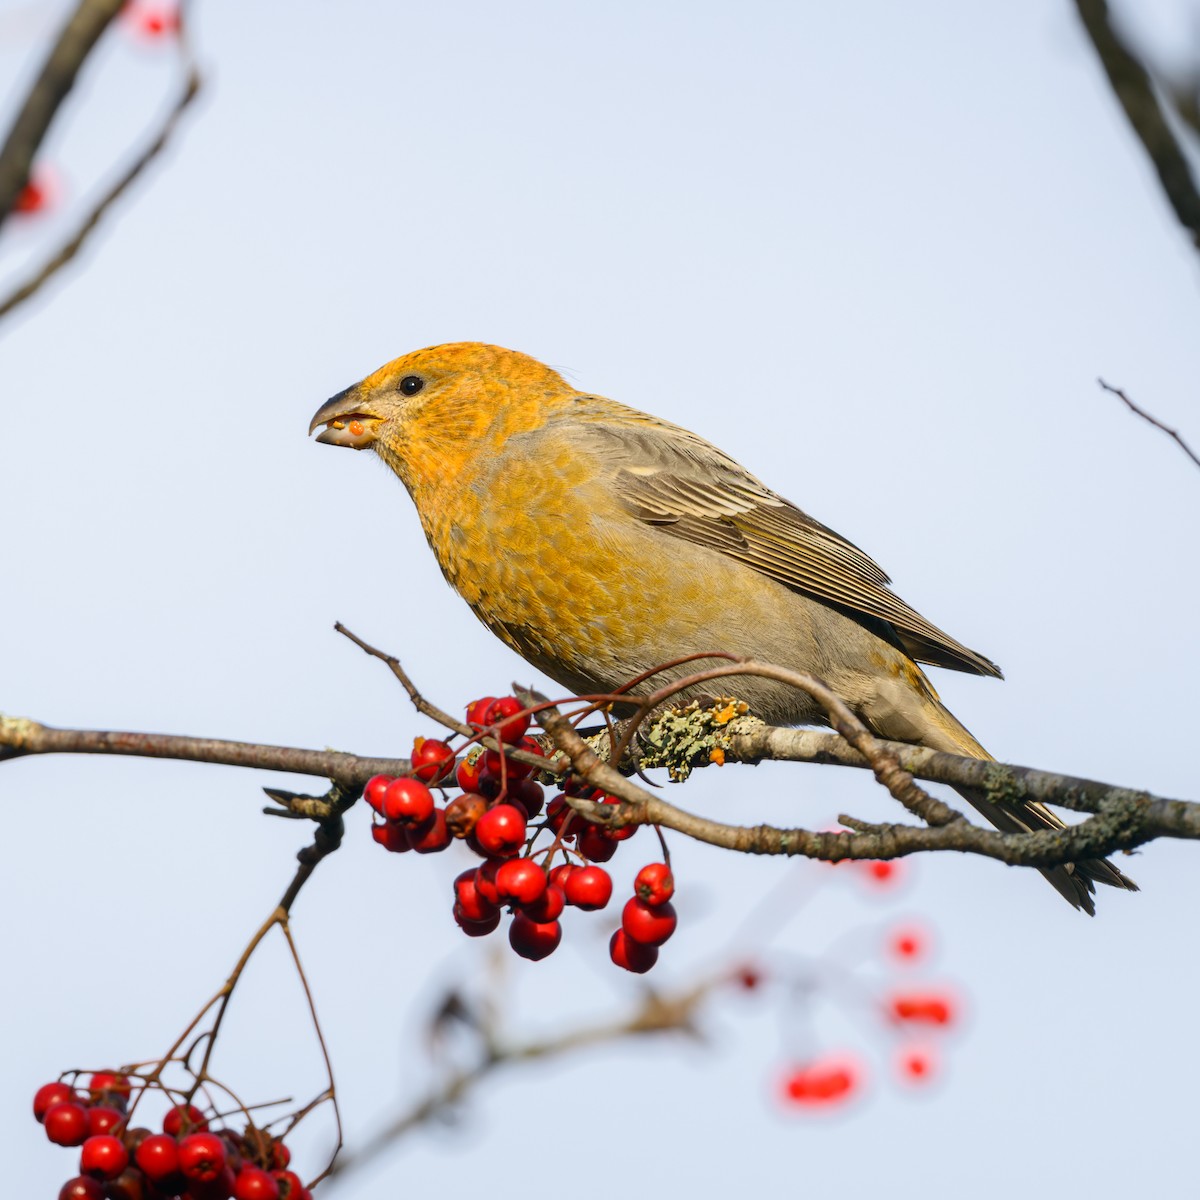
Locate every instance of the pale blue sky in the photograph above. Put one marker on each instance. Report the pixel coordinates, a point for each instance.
(879, 253)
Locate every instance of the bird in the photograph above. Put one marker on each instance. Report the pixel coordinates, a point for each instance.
(600, 542)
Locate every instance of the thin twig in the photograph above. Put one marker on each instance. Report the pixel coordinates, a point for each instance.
(1151, 419)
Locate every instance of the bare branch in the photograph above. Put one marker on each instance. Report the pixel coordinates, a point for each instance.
(1133, 87)
(20, 736)
(1141, 412)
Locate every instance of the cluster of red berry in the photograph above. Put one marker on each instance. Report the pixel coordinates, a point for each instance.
(186, 1159)
(492, 815)
(151, 19)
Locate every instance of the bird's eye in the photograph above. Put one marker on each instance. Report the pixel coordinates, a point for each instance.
(410, 385)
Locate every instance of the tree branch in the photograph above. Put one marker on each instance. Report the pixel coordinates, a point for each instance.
(1152, 420)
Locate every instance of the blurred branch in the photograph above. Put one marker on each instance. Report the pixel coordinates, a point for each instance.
(1134, 89)
(655, 1013)
(1141, 412)
(74, 243)
(76, 40)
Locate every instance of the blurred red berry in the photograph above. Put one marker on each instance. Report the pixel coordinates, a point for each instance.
(819, 1084)
(533, 939)
(589, 888)
(66, 1123)
(917, 1065)
(501, 830)
(923, 1008)
(103, 1156)
(633, 956)
(432, 760)
(654, 884)
(882, 872)
(650, 926)
(33, 198)
(748, 977)
(373, 792)
(908, 945)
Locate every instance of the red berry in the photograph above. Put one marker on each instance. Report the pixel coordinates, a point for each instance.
(618, 833)
(595, 844)
(201, 1156)
(467, 773)
(183, 1118)
(408, 802)
(129, 1185)
(654, 884)
(432, 760)
(589, 888)
(477, 711)
(431, 838)
(220, 1188)
(469, 901)
(103, 1082)
(631, 955)
(103, 1156)
(485, 880)
(558, 814)
(66, 1123)
(547, 907)
(463, 813)
(480, 928)
(391, 837)
(560, 874)
(650, 926)
(103, 1119)
(373, 792)
(158, 1156)
(281, 1156)
(253, 1183)
(48, 1094)
(501, 830)
(532, 939)
(509, 715)
(530, 795)
(748, 977)
(290, 1184)
(81, 1188)
(520, 881)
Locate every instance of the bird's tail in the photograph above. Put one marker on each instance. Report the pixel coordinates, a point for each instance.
(1075, 882)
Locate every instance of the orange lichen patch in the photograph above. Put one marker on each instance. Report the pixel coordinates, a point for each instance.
(717, 756)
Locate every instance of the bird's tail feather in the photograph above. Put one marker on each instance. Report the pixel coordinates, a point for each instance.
(1075, 882)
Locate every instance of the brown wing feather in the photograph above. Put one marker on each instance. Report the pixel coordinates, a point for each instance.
(676, 481)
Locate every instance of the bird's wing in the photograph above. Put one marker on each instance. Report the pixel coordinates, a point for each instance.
(683, 485)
